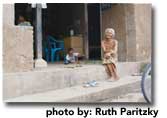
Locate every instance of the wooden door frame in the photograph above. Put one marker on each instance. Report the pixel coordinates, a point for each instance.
(86, 38)
(86, 33)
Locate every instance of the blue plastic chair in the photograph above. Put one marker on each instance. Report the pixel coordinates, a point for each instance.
(60, 44)
(46, 50)
(55, 47)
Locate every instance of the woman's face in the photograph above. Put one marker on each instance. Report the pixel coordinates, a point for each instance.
(109, 35)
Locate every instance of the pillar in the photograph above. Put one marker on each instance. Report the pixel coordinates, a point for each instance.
(130, 32)
(86, 45)
(8, 14)
(39, 62)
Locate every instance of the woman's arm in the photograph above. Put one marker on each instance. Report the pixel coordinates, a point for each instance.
(115, 47)
(103, 46)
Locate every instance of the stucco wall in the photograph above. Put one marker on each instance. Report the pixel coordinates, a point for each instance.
(115, 18)
(132, 23)
(17, 43)
(130, 32)
(143, 19)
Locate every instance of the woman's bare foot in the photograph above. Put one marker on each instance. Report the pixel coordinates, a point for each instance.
(111, 79)
(117, 78)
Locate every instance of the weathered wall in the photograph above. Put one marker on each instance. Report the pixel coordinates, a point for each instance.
(17, 43)
(130, 32)
(143, 19)
(115, 18)
(132, 24)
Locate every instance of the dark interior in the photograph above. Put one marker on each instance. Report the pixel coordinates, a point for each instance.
(94, 31)
(58, 19)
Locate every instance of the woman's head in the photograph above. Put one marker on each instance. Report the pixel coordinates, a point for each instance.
(109, 33)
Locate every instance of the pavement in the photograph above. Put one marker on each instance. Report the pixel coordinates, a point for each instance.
(134, 97)
(65, 83)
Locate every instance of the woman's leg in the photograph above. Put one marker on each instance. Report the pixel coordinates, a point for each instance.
(107, 70)
(113, 71)
(110, 70)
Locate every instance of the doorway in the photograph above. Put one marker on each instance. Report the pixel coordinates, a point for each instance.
(59, 19)
(94, 32)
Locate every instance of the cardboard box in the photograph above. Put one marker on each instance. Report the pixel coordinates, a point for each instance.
(78, 50)
(73, 42)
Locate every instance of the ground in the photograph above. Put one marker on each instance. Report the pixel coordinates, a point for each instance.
(136, 97)
(64, 83)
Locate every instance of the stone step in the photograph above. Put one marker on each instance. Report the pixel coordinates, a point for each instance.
(136, 97)
(104, 90)
(57, 77)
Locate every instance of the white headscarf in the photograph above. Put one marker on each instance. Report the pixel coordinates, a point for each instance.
(110, 30)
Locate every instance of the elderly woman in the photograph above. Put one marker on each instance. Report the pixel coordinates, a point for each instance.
(109, 46)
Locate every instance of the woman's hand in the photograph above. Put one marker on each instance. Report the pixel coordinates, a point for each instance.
(107, 55)
(112, 52)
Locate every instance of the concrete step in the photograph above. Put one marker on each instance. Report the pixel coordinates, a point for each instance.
(103, 91)
(57, 77)
(136, 97)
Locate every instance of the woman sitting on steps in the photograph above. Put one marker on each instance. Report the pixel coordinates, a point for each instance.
(109, 46)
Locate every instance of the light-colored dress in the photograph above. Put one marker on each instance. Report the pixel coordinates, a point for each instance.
(111, 49)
